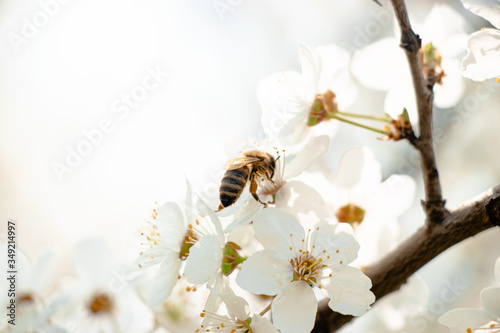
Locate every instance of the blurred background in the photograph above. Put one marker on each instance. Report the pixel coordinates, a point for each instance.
(105, 107)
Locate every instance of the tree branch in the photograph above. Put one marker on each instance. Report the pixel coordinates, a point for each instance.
(411, 43)
(395, 268)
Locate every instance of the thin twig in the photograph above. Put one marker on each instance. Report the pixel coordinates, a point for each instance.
(395, 268)
(411, 43)
(267, 308)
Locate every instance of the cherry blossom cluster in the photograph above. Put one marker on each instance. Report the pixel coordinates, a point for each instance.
(306, 238)
(301, 235)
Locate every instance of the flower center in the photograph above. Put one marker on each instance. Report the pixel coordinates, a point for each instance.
(231, 258)
(190, 238)
(322, 106)
(271, 188)
(306, 268)
(351, 214)
(100, 303)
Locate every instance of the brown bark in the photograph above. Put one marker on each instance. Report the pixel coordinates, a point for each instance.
(394, 269)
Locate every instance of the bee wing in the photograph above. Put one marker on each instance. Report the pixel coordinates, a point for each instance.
(239, 162)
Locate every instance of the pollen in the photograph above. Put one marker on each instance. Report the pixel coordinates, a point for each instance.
(350, 213)
(25, 298)
(306, 268)
(100, 304)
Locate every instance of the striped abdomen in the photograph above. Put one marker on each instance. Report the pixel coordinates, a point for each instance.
(232, 184)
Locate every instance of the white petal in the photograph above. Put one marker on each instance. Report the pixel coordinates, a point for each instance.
(356, 165)
(345, 89)
(490, 299)
(294, 309)
(43, 269)
(333, 61)
(313, 151)
(401, 96)
(205, 259)
(220, 286)
(171, 225)
(305, 200)
(188, 201)
(311, 68)
(483, 60)
(338, 241)
(451, 91)
(283, 102)
(380, 65)
(489, 9)
(496, 271)
(265, 272)
(262, 325)
(459, 320)
(93, 262)
(165, 279)
(273, 228)
(236, 306)
(393, 197)
(445, 28)
(376, 236)
(349, 291)
(245, 215)
(205, 210)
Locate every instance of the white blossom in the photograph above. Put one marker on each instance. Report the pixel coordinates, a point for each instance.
(101, 298)
(33, 305)
(169, 240)
(293, 262)
(485, 320)
(483, 58)
(382, 65)
(395, 312)
(238, 319)
(286, 97)
(359, 197)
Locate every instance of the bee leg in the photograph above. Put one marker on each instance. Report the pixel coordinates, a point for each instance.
(253, 191)
(270, 178)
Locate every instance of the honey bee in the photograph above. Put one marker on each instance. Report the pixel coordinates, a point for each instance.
(241, 170)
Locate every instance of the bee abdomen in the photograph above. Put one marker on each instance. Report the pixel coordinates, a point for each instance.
(232, 184)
